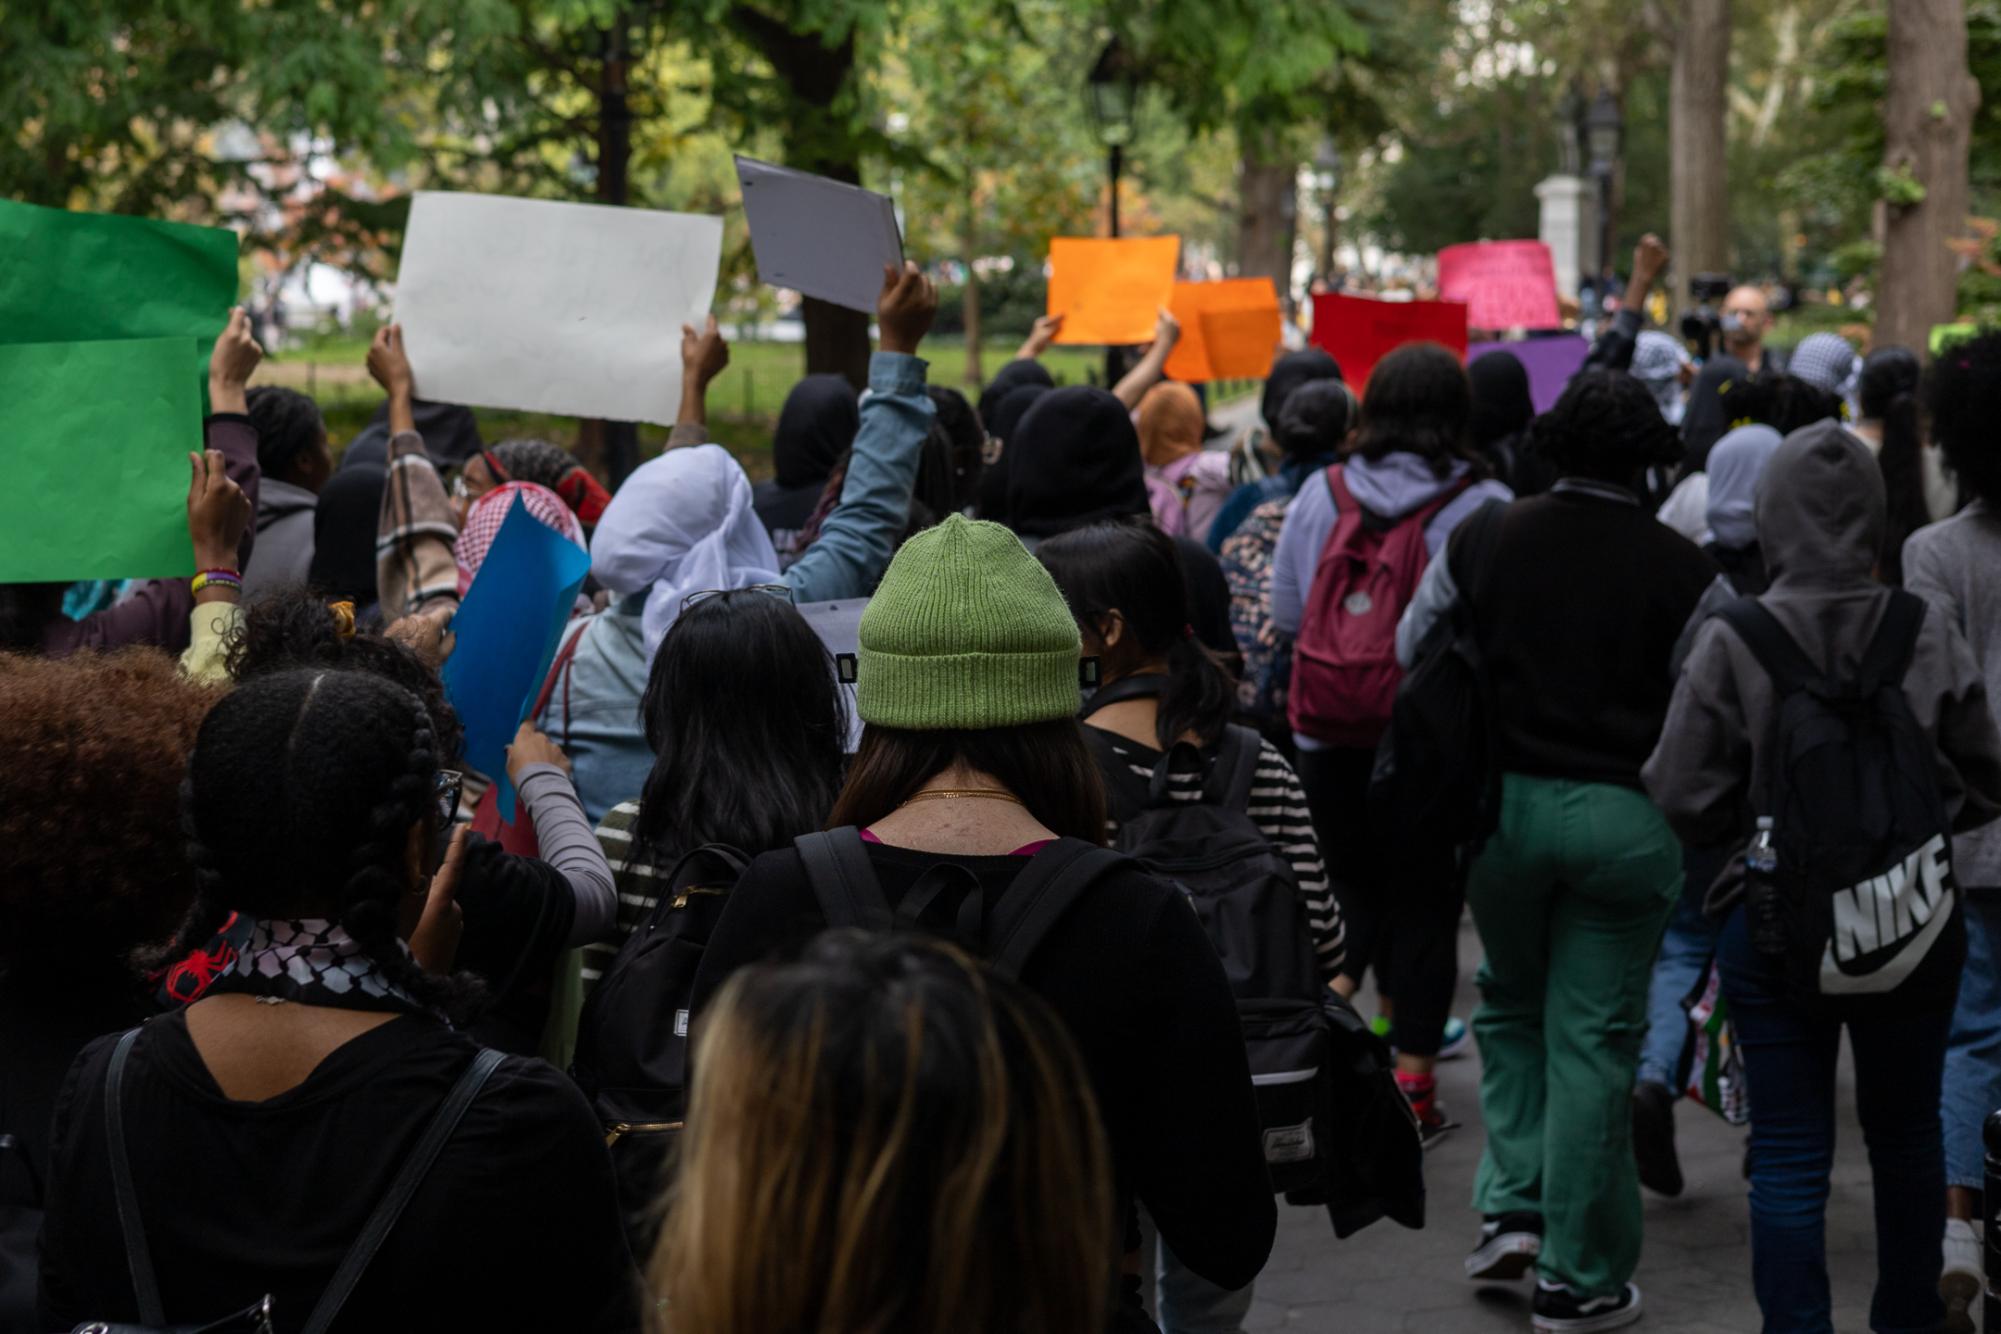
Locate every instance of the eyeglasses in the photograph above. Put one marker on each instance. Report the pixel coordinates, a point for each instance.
(445, 791)
(783, 592)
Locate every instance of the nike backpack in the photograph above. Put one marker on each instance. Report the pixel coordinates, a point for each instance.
(1344, 662)
(1872, 918)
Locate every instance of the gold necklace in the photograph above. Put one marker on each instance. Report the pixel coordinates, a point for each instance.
(964, 793)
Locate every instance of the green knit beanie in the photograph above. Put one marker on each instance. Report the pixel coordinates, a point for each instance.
(967, 631)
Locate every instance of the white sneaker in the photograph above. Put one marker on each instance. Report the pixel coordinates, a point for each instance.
(1960, 1279)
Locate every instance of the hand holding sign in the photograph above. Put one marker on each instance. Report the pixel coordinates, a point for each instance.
(1110, 291)
(906, 308)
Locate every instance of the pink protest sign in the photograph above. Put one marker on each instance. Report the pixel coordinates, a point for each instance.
(1505, 284)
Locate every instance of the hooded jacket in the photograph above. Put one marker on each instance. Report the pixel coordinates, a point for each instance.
(815, 427)
(1820, 520)
(1075, 461)
(1952, 565)
(284, 552)
(1008, 412)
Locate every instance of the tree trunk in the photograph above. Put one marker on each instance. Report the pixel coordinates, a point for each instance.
(1927, 133)
(1266, 214)
(1698, 220)
(817, 140)
(969, 253)
(618, 441)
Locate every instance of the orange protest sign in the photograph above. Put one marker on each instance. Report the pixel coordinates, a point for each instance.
(1110, 291)
(1229, 330)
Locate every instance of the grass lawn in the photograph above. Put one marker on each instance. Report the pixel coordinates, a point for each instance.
(743, 402)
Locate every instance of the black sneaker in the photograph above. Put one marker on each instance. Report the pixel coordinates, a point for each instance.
(1558, 1310)
(1508, 1249)
(1653, 1138)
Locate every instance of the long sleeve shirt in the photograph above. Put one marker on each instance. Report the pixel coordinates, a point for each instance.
(414, 568)
(156, 612)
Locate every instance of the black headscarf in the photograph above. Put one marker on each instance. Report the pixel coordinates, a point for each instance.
(1009, 378)
(1291, 371)
(1708, 414)
(818, 424)
(451, 435)
(1013, 406)
(344, 533)
(1501, 402)
(1075, 460)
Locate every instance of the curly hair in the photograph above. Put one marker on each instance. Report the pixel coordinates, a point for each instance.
(535, 461)
(299, 801)
(1964, 398)
(1606, 427)
(288, 425)
(1419, 401)
(89, 808)
(289, 628)
(1783, 402)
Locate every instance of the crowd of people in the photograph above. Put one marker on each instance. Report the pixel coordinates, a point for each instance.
(996, 971)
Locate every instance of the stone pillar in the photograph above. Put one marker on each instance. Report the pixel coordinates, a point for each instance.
(1570, 229)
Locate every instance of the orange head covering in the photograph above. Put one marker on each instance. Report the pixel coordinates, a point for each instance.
(1170, 424)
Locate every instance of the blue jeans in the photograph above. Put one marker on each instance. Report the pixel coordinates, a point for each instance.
(1191, 1304)
(1973, 1052)
(1789, 1058)
(1684, 957)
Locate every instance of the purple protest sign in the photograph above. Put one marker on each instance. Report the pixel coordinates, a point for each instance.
(1550, 363)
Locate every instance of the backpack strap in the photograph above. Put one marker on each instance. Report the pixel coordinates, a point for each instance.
(1776, 651)
(1236, 768)
(415, 1168)
(1896, 642)
(138, 1256)
(842, 880)
(1138, 686)
(1044, 890)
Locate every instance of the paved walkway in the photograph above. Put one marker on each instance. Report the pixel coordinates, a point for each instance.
(1695, 1273)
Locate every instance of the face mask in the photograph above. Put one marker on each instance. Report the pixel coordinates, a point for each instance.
(1733, 323)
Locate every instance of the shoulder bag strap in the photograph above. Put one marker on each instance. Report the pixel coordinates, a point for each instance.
(1896, 642)
(1236, 769)
(843, 882)
(1125, 688)
(1053, 880)
(138, 1256)
(1776, 651)
(415, 1168)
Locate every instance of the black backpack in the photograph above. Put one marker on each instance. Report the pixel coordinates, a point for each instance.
(632, 1039)
(1437, 780)
(1336, 1129)
(1872, 917)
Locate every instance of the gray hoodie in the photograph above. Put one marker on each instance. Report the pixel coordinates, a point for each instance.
(1954, 564)
(1821, 523)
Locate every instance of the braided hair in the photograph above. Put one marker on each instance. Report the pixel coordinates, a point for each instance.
(289, 426)
(1605, 427)
(300, 798)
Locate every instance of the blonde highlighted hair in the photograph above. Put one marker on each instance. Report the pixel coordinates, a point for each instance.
(886, 1138)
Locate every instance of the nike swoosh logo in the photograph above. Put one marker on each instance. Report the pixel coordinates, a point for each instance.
(1834, 982)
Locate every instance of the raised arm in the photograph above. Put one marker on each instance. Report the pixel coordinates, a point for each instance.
(1040, 337)
(1153, 366)
(860, 534)
(704, 355)
(414, 569)
(541, 773)
(1614, 349)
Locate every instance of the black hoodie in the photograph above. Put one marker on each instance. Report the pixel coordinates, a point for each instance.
(818, 424)
(1074, 460)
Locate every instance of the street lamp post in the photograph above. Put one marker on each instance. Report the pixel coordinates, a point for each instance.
(1603, 131)
(1326, 181)
(1113, 86)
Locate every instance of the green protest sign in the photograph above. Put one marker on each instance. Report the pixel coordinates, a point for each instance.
(86, 277)
(98, 437)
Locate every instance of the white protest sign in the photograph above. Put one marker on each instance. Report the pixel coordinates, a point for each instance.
(839, 626)
(546, 307)
(822, 238)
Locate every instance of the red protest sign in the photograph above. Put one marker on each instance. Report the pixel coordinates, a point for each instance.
(1505, 284)
(1358, 330)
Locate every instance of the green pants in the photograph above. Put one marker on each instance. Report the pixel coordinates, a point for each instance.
(1570, 897)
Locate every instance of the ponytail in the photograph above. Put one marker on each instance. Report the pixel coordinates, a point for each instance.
(1902, 462)
(1199, 696)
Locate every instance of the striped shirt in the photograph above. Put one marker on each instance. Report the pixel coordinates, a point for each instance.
(637, 882)
(1278, 808)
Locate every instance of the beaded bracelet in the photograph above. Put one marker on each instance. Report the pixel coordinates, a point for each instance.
(216, 579)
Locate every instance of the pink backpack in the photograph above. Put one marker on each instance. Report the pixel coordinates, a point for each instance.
(1344, 667)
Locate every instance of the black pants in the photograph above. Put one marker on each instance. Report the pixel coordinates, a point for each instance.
(1401, 905)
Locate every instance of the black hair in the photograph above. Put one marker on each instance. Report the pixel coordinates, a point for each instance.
(290, 628)
(1888, 389)
(300, 797)
(1607, 427)
(25, 613)
(289, 426)
(1132, 568)
(1783, 402)
(535, 461)
(965, 436)
(1048, 765)
(1316, 419)
(748, 727)
(1418, 401)
(1964, 398)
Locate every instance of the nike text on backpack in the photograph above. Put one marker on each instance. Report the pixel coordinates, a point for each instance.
(1437, 780)
(1344, 672)
(1870, 915)
(1313, 1088)
(632, 1038)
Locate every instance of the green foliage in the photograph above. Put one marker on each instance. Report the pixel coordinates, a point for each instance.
(1897, 187)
